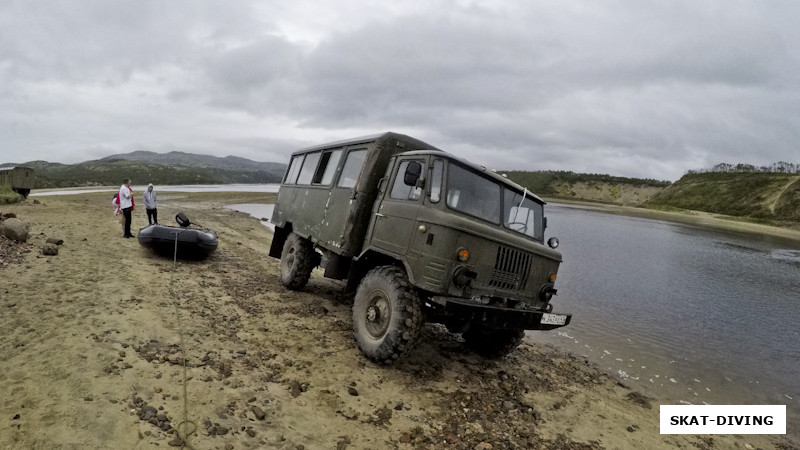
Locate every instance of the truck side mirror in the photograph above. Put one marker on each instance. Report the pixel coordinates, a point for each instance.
(413, 172)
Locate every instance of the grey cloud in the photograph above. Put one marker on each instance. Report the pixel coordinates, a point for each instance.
(632, 88)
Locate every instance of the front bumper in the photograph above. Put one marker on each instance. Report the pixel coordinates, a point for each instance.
(503, 318)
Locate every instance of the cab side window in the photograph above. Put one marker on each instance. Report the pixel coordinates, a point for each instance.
(436, 181)
(400, 190)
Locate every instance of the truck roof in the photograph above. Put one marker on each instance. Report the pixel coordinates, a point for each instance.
(430, 150)
(365, 139)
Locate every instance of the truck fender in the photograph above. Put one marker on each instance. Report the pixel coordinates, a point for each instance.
(371, 258)
(278, 239)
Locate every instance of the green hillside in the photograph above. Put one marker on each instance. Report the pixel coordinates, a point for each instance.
(588, 186)
(183, 159)
(771, 196)
(170, 168)
(547, 182)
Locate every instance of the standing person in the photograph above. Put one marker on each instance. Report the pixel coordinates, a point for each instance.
(126, 205)
(150, 201)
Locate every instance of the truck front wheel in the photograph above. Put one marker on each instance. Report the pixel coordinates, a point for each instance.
(492, 343)
(297, 261)
(387, 315)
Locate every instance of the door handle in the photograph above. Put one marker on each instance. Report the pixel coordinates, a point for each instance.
(379, 215)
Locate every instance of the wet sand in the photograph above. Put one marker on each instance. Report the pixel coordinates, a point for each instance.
(93, 340)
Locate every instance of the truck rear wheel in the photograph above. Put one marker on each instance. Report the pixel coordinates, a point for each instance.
(297, 261)
(387, 315)
(492, 343)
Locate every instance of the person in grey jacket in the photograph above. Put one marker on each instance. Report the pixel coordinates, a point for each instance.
(150, 201)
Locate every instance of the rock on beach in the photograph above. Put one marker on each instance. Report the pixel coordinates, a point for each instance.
(50, 249)
(15, 229)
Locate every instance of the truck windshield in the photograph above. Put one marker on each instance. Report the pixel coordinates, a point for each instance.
(482, 197)
(523, 216)
(473, 194)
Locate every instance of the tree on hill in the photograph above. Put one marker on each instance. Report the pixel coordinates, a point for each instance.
(778, 167)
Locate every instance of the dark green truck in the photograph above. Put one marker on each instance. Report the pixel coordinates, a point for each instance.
(420, 235)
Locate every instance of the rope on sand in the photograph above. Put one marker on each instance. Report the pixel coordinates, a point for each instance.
(185, 422)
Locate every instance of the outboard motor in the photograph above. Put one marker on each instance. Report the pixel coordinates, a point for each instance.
(182, 220)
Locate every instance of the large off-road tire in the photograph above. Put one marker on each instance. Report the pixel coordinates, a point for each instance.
(297, 262)
(387, 315)
(492, 343)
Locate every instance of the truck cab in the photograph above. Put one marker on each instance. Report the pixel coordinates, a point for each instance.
(420, 235)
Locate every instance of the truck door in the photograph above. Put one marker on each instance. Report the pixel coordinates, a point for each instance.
(396, 216)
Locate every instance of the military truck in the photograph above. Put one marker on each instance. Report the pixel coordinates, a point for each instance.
(419, 235)
(20, 179)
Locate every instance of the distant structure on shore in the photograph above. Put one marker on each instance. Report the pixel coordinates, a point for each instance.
(20, 179)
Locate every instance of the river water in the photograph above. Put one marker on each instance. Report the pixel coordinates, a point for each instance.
(685, 314)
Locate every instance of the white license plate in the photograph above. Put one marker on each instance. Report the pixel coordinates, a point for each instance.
(553, 319)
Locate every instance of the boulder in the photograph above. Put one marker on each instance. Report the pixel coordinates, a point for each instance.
(56, 241)
(50, 249)
(15, 229)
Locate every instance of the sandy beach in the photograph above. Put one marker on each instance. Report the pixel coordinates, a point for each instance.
(94, 339)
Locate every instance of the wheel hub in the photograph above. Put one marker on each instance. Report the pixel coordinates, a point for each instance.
(377, 314)
(372, 314)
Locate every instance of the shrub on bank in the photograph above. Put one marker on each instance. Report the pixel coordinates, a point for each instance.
(8, 196)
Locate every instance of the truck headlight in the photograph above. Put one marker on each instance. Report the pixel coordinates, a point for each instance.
(553, 242)
(462, 276)
(547, 293)
(463, 254)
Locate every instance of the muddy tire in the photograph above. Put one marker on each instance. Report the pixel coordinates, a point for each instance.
(297, 261)
(492, 343)
(387, 315)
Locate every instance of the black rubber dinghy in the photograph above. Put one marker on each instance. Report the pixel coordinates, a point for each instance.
(192, 242)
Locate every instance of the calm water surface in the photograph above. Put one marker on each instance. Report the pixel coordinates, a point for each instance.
(684, 314)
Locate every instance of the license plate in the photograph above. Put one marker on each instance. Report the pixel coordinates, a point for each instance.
(553, 319)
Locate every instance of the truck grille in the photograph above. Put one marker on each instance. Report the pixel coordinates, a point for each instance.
(510, 269)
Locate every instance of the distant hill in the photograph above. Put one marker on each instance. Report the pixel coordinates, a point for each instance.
(589, 187)
(759, 195)
(204, 161)
(148, 167)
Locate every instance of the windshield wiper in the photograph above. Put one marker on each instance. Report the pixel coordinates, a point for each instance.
(524, 192)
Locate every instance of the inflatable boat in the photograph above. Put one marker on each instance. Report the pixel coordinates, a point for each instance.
(192, 242)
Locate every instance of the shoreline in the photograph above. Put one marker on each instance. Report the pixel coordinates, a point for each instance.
(88, 352)
(695, 219)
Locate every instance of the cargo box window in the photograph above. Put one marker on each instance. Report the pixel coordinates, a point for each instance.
(327, 167)
(352, 168)
(294, 169)
(309, 167)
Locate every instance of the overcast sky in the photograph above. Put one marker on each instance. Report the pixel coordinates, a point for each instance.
(633, 88)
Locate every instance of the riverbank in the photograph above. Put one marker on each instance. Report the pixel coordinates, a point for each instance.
(93, 339)
(790, 234)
